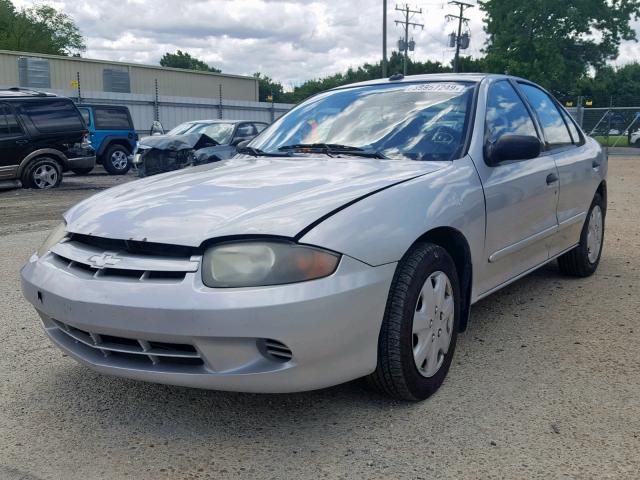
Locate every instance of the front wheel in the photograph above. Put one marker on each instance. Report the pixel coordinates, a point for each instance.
(116, 160)
(583, 260)
(420, 326)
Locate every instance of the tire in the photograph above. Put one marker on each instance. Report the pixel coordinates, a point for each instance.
(583, 260)
(82, 171)
(43, 173)
(408, 325)
(115, 160)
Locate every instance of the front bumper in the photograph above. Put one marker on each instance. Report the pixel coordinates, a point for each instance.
(330, 326)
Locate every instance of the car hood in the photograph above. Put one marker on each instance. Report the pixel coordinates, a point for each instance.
(241, 196)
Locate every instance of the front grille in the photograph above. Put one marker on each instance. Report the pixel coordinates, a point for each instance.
(82, 269)
(144, 352)
(275, 350)
(135, 246)
(93, 257)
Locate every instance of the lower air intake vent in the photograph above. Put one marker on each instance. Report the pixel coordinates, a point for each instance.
(276, 350)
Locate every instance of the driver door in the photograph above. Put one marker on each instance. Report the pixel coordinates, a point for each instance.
(521, 196)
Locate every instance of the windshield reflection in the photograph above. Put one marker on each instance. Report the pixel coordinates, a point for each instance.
(415, 121)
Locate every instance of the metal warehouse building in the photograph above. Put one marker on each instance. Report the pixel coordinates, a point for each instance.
(170, 95)
(39, 71)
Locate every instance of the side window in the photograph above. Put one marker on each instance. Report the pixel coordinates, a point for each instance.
(259, 127)
(506, 113)
(245, 130)
(53, 115)
(9, 126)
(555, 130)
(85, 116)
(111, 119)
(575, 135)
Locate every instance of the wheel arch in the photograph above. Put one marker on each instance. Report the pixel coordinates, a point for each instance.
(602, 190)
(457, 246)
(108, 142)
(56, 155)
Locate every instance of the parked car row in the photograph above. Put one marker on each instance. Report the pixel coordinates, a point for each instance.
(43, 135)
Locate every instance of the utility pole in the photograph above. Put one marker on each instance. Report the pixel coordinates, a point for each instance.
(406, 23)
(384, 38)
(461, 19)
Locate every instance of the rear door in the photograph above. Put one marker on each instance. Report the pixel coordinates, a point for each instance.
(13, 142)
(577, 166)
(520, 195)
(112, 123)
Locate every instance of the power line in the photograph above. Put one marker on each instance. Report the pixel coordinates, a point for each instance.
(459, 39)
(404, 43)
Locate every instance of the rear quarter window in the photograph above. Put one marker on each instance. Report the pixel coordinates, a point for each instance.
(112, 119)
(54, 115)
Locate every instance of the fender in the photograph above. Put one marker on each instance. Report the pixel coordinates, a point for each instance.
(109, 139)
(52, 152)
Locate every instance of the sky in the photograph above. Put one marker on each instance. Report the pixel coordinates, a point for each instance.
(291, 41)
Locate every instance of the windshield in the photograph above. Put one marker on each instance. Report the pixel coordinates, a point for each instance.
(416, 121)
(220, 132)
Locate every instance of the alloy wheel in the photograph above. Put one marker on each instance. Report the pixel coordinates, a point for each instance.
(119, 160)
(45, 176)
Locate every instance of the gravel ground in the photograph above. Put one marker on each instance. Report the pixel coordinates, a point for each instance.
(545, 384)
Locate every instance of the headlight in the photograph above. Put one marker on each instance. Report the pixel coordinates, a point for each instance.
(259, 263)
(54, 237)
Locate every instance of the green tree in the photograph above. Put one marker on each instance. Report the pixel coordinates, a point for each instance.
(182, 59)
(269, 87)
(39, 29)
(619, 86)
(555, 43)
(367, 71)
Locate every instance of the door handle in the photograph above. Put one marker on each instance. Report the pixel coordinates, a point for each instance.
(22, 142)
(552, 178)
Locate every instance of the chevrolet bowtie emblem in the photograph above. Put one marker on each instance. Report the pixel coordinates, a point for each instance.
(104, 260)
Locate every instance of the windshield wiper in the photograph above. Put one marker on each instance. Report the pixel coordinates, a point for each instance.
(256, 152)
(333, 149)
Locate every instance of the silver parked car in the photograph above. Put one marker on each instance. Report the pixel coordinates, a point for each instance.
(348, 240)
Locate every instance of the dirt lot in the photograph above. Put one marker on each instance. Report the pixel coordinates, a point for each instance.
(545, 384)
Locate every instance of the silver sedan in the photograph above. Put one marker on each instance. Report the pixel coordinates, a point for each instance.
(349, 239)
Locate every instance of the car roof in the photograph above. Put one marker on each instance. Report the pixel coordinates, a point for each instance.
(225, 121)
(91, 105)
(429, 77)
(17, 92)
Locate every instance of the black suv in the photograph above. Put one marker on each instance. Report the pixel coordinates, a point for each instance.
(41, 136)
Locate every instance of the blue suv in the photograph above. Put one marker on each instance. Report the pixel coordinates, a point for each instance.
(112, 136)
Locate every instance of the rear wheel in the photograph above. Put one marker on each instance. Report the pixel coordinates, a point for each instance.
(583, 260)
(116, 160)
(420, 327)
(43, 174)
(82, 171)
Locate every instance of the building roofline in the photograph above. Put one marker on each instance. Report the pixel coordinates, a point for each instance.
(124, 64)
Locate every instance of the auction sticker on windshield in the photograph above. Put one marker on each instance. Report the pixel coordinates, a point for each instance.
(436, 87)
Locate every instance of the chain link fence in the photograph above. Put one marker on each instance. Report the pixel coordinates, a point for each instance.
(615, 126)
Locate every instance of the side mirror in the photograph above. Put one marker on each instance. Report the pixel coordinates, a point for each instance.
(242, 143)
(512, 147)
(237, 141)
